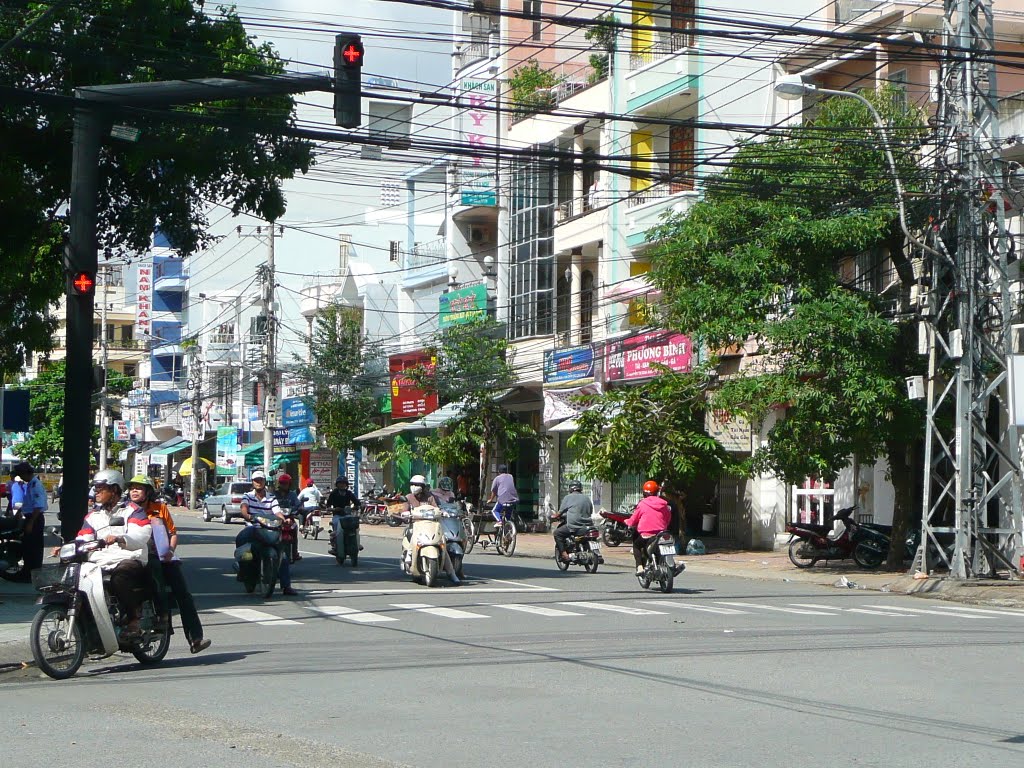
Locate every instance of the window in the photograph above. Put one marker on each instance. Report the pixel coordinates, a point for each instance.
(129, 370)
(532, 10)
(531, 279)
(898, 82)
(681, 158)
(683, 22)
(586, 307)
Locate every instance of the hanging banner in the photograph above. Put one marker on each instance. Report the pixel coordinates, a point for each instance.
(406, 398)
(144, 300)
(634, 357)
(462, 306)
(227, 450)
(573, 366)
(322, 468)
(559, 404)
(478, 96)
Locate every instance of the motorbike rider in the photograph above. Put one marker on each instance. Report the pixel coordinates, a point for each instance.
(143, 493)
(309, 499)
(260, 501)
(444, 494)
(418, 496)
(126, 553)
(341, 501)
(28, 499)
(651, 516)
(575, 515)
(289, 501)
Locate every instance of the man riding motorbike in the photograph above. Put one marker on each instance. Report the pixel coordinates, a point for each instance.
(289, 501)
(651, 516)
(575, 515)
(125, 555)
(261, 500)
(341, 501)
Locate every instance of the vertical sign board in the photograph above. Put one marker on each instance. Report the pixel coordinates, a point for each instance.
(321, 469)
(227, 450)
(144, 300)
(479, 98)
(406, 398)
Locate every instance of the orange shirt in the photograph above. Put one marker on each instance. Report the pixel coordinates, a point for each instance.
(159, 509)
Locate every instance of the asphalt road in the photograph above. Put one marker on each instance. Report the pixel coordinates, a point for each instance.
(524, 663)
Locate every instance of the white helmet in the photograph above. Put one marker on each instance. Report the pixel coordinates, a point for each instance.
(109, 477)
(419, 480)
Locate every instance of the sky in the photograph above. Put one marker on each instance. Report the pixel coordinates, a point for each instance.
(334, 197)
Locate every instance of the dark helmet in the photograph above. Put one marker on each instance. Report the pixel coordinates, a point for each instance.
(575, 486)
(341, 481)
(23, 470)
(502, 469)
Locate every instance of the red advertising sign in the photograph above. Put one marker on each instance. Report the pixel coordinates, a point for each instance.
(406, 398)
(635, 357)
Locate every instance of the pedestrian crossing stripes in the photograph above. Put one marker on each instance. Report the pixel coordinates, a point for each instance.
(578, 609)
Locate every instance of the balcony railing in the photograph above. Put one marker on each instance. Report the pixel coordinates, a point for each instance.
(574, 208)
(666, 46)
(139, 344)
(222, 338)
(657, 192)
(544, 99)
(425, 254)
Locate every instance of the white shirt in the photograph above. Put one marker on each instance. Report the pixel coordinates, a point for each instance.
(310, 497)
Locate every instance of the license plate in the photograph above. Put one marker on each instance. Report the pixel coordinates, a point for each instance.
(316, 520)
(595, 546)
(667, 549)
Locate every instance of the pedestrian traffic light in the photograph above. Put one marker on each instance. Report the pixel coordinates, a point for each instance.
(348, 72)
(83, 284)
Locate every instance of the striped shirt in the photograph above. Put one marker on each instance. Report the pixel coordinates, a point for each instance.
(265, 507)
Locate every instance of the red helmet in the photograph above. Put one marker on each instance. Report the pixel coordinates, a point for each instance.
(309, 483)
(651, 487)
(284, 479)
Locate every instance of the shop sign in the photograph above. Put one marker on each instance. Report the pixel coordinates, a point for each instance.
(635, 357)
(144, 299)
(300, 435)
(464, 305)
(280, 440)
(322, 468)
(227, 450)
(121, 431)
(407, 399)
(574, 365)
(732, 432)
(295, 412)
(478, 96)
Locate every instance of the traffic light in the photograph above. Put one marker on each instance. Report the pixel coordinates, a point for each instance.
(348, 72)
(83, 284)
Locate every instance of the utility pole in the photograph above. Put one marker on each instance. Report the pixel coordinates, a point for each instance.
(196, 385)
(104, 276)
(972, 489)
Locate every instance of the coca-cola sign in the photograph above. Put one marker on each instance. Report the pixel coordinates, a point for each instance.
(636, 357)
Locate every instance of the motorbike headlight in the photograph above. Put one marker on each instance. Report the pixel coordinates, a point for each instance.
(67, 551)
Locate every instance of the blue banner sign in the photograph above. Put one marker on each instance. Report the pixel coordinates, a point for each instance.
(573, 365)
(295, 412)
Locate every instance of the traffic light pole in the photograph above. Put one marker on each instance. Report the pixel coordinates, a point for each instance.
(91, 121)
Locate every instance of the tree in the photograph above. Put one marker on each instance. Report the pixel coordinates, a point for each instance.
(45, 443)
(164, 180)
(655, 429)
(342, 370)
(473, 366)
(758, 261)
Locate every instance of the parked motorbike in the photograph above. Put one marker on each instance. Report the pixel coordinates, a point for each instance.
(871, 542)
(423, 546)
(12, 529)
(660, 564)
(614, 531)
(810, 543)
(259, 561)
(348, 524)
(77, 615)
(583, 548)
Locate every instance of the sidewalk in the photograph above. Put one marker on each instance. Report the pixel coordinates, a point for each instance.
(17, 601)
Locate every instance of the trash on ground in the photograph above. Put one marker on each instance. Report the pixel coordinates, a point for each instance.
(695, 547)
(919, 575)
(846, 583)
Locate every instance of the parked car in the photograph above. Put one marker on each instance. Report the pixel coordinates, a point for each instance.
(224, 501)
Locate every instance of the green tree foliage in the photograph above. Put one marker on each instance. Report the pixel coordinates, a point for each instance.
(603, 35)
(45, 444)
(526, 87)
(758, 262)
(473, 365)
(342, 370)
(655, 429)
(164, 179)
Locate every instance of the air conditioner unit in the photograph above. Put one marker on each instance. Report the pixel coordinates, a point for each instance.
(479, 235)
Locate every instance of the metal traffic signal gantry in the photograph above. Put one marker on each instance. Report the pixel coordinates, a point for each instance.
(348, 73)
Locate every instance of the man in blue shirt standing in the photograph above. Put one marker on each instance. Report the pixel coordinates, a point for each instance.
(29, 498)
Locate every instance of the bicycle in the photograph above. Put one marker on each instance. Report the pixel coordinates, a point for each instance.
(501, 535)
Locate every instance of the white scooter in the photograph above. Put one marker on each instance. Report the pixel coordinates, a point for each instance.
(455, 537)
(424, 553)
(78, 615)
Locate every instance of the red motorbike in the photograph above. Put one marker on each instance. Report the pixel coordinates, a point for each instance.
(614, 530)
(810, 543)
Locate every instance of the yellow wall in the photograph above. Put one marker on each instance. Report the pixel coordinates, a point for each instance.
(641, 146)
(643, 39)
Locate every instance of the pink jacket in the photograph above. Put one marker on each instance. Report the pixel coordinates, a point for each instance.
(652, 515)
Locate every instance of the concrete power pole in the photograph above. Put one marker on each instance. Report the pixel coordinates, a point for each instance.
(104, 356)
(972, 493)
(196, 381)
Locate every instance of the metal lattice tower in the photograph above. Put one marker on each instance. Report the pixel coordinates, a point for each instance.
(972, 496)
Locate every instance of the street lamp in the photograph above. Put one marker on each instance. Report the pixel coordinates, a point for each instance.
(793, 87)
(453, 276)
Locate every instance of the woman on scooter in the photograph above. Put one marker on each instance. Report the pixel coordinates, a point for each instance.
(651, 516)
(142, 492)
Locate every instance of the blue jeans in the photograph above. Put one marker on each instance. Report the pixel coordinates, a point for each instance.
(498, 510)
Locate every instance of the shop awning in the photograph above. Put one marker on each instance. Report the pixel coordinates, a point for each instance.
(170, 446)
(569, 425)
(627, 290)
(284, 458)
(251, 455)
(441, 416)
(391, 429)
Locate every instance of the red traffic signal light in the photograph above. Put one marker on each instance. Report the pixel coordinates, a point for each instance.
(83, 283)
(348, 72)
(349, 50)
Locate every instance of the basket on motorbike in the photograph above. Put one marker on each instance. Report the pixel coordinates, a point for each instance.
(349, 522)
(51, 577)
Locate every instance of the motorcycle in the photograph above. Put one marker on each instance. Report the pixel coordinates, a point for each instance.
(311, 523)
(12, 529)
(582, 547)
(871, 542)
(660, 563)
(810, 543)
(615, 531)
(456, 540)
(348, 524)
(423, 546)
(77, 615)
(259, 561)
